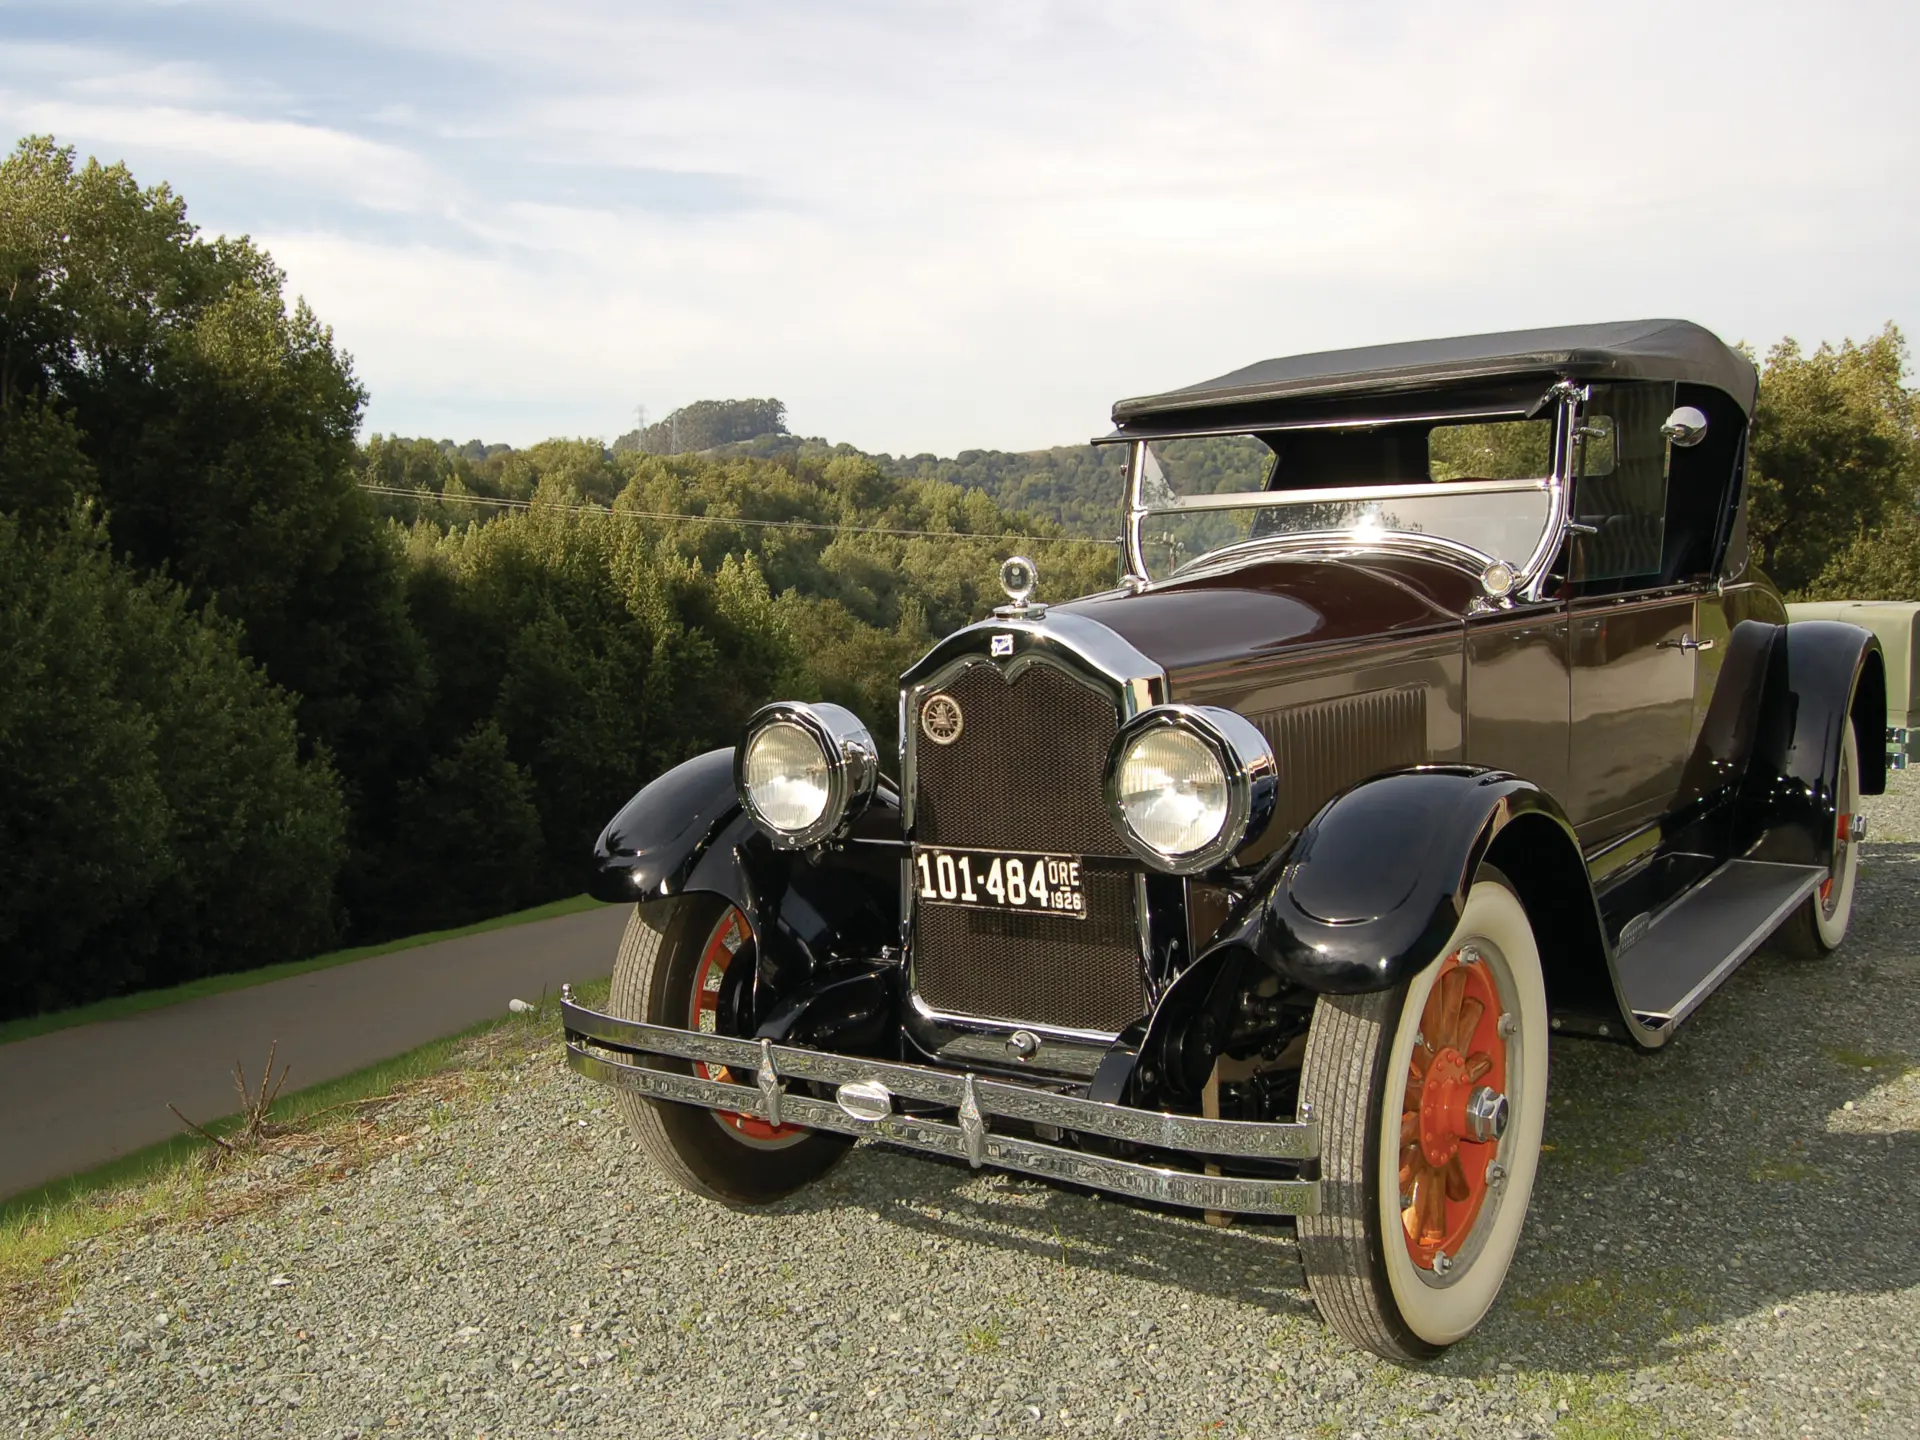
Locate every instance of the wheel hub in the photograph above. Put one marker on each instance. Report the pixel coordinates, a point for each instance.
(1455, 1110)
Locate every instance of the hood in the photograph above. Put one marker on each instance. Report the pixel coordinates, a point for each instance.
(1272, 606)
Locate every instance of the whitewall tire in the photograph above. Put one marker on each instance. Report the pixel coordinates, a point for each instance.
(1429, 1142)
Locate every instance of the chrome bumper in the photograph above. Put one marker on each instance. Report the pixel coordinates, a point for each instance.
(867, 1111)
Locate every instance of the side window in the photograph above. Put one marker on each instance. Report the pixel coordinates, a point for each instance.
(1620, 489)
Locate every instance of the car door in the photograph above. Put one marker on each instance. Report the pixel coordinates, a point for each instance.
(1633, 697)
(1632, 634)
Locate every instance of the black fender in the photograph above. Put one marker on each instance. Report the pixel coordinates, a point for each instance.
(817, 915)
(681, 821)
(1367, 895)
(1822, 676)
(1374, 885)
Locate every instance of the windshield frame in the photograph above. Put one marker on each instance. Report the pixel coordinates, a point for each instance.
(1567, 396)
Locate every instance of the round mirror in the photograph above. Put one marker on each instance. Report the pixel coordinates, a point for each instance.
(1686, 426)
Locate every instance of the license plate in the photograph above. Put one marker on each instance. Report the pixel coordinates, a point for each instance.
(999, 880)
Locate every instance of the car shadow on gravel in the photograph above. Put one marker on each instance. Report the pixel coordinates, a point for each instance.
(1767, 1154)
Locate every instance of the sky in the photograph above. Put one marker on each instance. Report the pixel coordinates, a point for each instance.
(938, 226)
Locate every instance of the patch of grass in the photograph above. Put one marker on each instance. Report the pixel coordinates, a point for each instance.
(1615, 1420)
(1649, 1301)
(985, 1339)
(1861, 1060)
(121, 1006)
(1773, 1168)
(42, 1231)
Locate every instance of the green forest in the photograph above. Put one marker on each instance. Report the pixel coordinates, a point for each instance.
(266, 688)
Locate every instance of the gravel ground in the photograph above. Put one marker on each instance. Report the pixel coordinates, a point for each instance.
(1722, 1243)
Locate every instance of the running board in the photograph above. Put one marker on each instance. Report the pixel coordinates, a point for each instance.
(1682, 957)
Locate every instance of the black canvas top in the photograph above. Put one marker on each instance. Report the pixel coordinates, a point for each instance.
(1623, 350)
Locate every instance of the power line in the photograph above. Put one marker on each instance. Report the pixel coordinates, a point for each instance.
(504, 503)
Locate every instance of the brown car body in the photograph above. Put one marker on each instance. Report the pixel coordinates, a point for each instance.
(1618, 725)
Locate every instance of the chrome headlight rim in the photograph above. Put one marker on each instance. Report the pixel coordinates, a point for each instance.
(1246, 760)
(852, 761)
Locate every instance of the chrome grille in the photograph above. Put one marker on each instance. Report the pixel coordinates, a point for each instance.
(1036, 969)
(1027, 774)
(1028, 771)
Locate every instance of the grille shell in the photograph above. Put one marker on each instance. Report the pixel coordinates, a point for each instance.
(1027, 774)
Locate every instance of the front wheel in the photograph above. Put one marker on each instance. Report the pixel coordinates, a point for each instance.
(1431, 1098)
(685, 963)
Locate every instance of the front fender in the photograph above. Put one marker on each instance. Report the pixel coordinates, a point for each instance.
(813, 912)
(652, 848)
(1375, 884)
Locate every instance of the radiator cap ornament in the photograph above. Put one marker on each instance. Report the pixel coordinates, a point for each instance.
(1019, 577)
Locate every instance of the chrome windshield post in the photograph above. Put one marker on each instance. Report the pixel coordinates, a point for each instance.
(1533, 575)
(1136, 513)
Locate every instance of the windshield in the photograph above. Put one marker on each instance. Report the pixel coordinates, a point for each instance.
(1481, 484)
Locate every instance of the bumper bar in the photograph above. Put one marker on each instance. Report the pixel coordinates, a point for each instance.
(867, 1111)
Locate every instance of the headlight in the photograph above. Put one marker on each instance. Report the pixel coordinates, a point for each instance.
(804, 771)
(1189, 785)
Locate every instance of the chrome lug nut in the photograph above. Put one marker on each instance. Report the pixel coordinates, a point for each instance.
(1487, 1113)
(1442, 1262)
(1509, 1026)
(1496, 1174)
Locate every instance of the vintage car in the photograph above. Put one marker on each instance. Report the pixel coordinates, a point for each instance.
(1439, 709)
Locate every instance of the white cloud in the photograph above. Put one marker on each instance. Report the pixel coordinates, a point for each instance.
(938, 226)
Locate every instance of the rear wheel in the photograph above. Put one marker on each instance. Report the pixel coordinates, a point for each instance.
(1431, 1097)
(1820, 924)
(681, 963)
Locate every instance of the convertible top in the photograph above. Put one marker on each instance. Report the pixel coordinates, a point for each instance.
(1624, 350)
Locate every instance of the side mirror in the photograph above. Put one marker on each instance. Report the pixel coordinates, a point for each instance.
(1685, 427)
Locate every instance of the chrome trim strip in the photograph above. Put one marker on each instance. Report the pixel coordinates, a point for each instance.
(971, 1141)
(1244, 1139)
(1324, 544)
(996, 1025)
(1273, 499)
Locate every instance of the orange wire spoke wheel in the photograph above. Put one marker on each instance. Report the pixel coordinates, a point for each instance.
(1455, 1111)
(730, 942)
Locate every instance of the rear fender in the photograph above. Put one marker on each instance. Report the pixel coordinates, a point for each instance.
(1822, 676)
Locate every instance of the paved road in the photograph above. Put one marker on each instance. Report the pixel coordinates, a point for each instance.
(77, 1098)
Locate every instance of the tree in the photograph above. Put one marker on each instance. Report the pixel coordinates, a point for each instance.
(156, 819)
(704, 425)
(218, 425)
(1835, 452)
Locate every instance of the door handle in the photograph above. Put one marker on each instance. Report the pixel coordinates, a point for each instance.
(1684, 643)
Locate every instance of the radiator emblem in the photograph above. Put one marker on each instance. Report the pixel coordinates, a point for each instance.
(1002, 645)
(940, 719)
